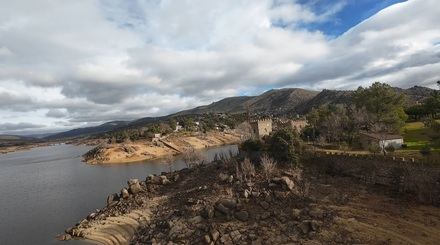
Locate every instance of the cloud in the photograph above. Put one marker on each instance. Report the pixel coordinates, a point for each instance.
(76, 63)
(397, 45)
(18, 126)
(56, 113)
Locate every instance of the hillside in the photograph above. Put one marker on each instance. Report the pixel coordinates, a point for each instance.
(106, 127)
(274, 101)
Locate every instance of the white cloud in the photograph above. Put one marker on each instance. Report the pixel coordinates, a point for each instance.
(65, 64)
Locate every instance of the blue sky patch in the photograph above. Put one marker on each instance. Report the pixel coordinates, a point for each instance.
(353, 13)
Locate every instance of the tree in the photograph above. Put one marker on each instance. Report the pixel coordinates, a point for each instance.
(284, 147)
(384, 106)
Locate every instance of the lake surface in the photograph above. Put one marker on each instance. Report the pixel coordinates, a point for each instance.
(47, 189)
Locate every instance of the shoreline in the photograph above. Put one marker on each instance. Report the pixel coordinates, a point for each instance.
(138, 151)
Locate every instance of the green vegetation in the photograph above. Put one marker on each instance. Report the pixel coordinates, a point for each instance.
(377, 109)
(418, 136)
(283, 145)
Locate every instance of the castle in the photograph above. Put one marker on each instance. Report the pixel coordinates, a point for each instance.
(261, 128)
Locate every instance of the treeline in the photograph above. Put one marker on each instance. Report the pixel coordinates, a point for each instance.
(376, 109)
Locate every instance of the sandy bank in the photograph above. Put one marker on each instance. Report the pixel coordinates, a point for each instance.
(145, 150)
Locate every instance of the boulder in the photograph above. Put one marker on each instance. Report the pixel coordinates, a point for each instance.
(242, 215)
(265, 205)
(305, 227)
(229, 203)
(112, 199)
(164, 180)
(64, 237)
(208, 212)
(196, 220)
(124, 193)
(296, 214)
(215, 234)
(289, 183)
(222, 209)
(316, 213)
(223, 177)
(134, 186)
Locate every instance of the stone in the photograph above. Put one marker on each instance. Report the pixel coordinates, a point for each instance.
(64, 237)
(223, 177)
(164, 180)
(246, 194)
(124, 193)
(196, 219)
(134, 186)
(242, 215)
(208, 212)
(215, 234)
(229, 203)
(222, 209)
(316, 213)
(265, 215)
(289, 183)
(296, 214)
(112, 199)
(264, 205)
(305, 227)
(176, 177)
(207, 239)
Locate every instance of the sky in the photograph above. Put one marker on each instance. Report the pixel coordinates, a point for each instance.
(68, 64)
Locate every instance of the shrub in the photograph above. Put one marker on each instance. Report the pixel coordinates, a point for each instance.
(193, 158)
(269, 166)
(248, 169)
(251, 145)
(426, 150)
(374, 148)
(282, 147)
(390, 149)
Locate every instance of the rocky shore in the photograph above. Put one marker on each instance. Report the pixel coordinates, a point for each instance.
(166, 146)
(219, 203)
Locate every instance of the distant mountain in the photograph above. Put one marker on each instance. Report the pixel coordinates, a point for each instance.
(8, 137)
(325, 97)
(106, 127)
(273, 102)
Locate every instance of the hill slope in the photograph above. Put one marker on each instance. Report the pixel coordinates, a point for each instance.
(106, 127)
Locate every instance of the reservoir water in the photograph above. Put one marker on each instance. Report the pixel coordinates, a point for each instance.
(45, 190)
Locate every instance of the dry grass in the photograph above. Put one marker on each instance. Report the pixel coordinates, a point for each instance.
(269, 166)
(248, 169)
(193, 158)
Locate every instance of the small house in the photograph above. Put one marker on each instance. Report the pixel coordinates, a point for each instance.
(382, 140)
(178, 127)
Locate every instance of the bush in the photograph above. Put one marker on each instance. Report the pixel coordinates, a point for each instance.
(390, 149)
(283, 145)
(193, 158)
(269, 166)
(252, 145)
(248, 169)
(426, 150)
(374, 148)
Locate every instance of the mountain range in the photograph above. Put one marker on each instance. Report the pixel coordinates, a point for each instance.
(286, 101)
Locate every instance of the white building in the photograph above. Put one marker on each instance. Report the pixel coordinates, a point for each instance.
(383, 140)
